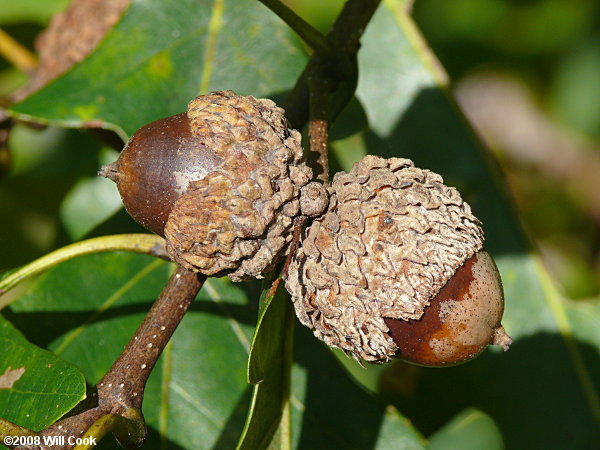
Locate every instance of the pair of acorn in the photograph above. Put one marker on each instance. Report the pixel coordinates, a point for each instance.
(390, 266)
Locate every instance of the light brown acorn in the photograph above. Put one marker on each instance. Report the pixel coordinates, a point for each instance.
(395, 268)
(460, 321)
(221, 183)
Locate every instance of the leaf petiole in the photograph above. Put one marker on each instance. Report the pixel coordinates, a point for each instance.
(313, 37)
(138, 243)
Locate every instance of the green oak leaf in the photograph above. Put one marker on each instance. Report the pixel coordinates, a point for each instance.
(86, 309)
(36, 387)
(163, 54)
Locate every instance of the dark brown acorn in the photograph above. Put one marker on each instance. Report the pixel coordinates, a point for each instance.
(156, 167)
(220, 183)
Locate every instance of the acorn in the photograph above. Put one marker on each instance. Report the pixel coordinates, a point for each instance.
(395, 269)
(460, 321)
(156, 166)
(221, 183)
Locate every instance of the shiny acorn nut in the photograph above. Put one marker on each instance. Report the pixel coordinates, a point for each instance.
(156, 167)
(221, 183)
(460, 321)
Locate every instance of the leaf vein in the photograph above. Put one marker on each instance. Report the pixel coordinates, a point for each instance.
(214, 26)
(107, 304)
(237, 330)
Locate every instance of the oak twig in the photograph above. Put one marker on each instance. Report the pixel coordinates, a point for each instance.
(121, 391)
(310, 99)
(318, 124)
(344, 38)
(123, 385)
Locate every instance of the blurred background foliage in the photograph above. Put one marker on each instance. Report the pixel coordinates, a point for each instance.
(46, 172)
(525, 72)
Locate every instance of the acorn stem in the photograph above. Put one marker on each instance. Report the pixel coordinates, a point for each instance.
(298, 223)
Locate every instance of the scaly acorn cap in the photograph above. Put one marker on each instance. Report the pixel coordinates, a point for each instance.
(237, 220)
(392, 237)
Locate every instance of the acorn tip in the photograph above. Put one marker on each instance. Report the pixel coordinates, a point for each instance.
(110, 171)
(501, 338)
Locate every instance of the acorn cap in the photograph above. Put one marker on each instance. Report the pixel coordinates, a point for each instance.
(237, 220)
(392, 237)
